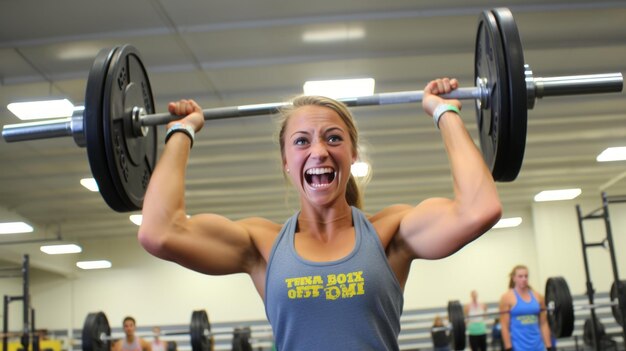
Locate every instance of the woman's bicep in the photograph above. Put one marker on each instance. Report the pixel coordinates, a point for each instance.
(209, 244)
(435, 228)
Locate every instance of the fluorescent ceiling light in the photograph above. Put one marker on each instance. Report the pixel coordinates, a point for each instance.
(340, 88)
(508, 222)
(612, 154)
(93, 264)
(60, 249)
(79, 52)
(42, 109)
(333, 34)
(360, 169)
(15, 228)
(136, 218)
(557, 195)
(89, 183)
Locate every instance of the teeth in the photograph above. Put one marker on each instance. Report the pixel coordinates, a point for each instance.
(319, 170)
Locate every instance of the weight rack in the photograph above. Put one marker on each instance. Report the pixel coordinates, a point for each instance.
(600, 213)
(28, 313)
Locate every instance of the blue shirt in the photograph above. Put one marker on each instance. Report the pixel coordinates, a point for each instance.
(524, 326)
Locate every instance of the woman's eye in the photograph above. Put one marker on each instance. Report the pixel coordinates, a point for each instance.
(333, 139)
(300, 141)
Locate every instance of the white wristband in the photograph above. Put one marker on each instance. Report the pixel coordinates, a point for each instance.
(183, 128)
(441, 109)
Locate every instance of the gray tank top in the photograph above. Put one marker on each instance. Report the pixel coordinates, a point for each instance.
(353, 303)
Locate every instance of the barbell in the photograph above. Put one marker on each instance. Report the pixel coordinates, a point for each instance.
(96, 333)
(559, 308)
(118, 124)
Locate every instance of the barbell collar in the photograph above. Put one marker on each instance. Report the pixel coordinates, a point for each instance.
(530, 87)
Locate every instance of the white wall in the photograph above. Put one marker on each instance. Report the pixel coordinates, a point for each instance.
(482, 265)
(559, 246)
(159, 292)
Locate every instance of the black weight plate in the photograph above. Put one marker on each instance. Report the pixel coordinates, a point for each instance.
(509, 166)
(456, 316)
(92, 125)
(492, 118)
(199, 331)
(561, 317)
(172, 346)
(131, 159)
(618, 293)
(588, 331)
(96, 325)
(241, 339)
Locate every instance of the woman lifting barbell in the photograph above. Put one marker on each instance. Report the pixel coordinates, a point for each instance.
(525, 326)
(331, 277)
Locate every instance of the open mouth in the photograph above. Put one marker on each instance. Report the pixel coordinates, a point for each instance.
(319, 177)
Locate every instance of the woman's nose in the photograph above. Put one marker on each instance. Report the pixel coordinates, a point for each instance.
(318, 150)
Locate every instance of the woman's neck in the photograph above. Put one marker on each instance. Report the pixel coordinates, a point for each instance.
(522, 290)
(324, 221)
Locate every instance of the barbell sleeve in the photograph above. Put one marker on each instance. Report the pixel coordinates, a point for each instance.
(37, 130)
(581, 84)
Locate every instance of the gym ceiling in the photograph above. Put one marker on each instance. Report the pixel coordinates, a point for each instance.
(238, 52)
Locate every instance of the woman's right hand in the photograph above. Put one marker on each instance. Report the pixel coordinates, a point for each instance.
(190, 112)
(433, 89)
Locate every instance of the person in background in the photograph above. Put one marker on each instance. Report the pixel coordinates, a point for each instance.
(525, 326)
(158, 344)
(496, 335)
(130, 342)
(439, 334)
(476, 326)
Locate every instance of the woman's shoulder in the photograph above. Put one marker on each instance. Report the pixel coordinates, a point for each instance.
(263, 233)
(260, 226)
(508, 296)
(537, 295)
(388, 212)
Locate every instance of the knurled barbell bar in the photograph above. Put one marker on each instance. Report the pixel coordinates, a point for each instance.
(118, 125)
(559, 305)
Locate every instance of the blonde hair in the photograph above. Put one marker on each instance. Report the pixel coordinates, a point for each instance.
(512, 274)
(353, 192)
